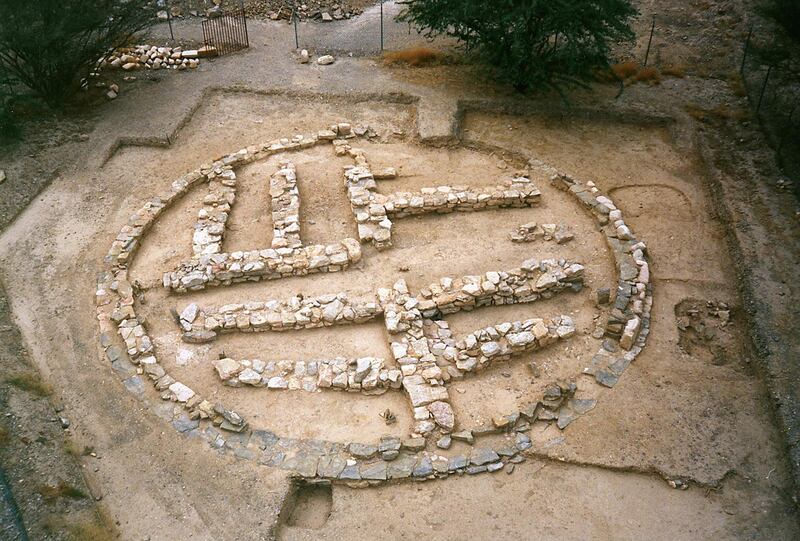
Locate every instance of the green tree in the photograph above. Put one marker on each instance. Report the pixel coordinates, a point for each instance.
(531, 44)
(49, 45)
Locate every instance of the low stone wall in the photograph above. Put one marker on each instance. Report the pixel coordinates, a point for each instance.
(372, 210)
(212, 217)
(365, 374)
(629, 322)
(269, 264)
(285, 204)
(411, 326)
(293, 314)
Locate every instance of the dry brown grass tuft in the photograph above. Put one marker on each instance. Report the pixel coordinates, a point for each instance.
(720, 112)
(625, 70)
(61, 490)
(417, 56)
(29, 382)
(674, 70)
(737, 85)
(4, 436)
(648, 75)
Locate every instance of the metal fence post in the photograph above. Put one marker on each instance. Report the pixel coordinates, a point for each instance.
(746, 48)
(381, 25)
(650, 41)
(294, 22)
(763, 88)
(169, 21)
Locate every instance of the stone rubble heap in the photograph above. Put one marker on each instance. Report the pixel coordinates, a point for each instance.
(408, 322)
(151, 57)
(532, 231)
(321, 10)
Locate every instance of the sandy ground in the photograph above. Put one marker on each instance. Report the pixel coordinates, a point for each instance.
(701, 419)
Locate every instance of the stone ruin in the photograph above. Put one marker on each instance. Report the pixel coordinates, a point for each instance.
(426, 356)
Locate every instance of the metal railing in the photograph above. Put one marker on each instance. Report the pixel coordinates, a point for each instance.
(227, 33)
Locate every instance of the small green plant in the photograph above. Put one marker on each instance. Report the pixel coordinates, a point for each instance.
(61, 490)
(30, 383)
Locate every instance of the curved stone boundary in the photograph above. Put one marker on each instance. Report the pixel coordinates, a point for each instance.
(390, 458)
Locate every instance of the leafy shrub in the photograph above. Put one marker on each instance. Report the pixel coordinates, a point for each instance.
(48, 45)
(530, 43)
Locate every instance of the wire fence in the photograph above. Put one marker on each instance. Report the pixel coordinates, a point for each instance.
(774, 92)
(772, 87)
(771, 82)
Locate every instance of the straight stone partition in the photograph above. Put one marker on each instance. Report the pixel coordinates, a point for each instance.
(285, 207)
(532, 281)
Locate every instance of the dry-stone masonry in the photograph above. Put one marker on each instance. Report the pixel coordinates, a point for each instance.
(426, 355)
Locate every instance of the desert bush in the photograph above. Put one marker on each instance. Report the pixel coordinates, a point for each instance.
(49, 45)
(648, 75)
(30, 383)
(532, 44)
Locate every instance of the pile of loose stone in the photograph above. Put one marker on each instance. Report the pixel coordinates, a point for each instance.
(532, 231)
(151, 57)
(422, 346)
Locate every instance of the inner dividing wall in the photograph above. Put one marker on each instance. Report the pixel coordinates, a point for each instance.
(425, 249)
